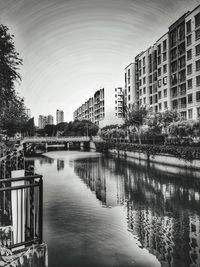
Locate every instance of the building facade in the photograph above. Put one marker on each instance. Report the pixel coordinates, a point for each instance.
(59, 116)
(104, 108)
(167, 74)
(50, 119)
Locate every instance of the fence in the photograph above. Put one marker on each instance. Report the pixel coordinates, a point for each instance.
(21, 211)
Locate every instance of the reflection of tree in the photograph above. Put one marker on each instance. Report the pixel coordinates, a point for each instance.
(60, 164)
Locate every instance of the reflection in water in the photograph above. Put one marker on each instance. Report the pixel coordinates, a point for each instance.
(60, 165)
(46, 160)
(163, 211)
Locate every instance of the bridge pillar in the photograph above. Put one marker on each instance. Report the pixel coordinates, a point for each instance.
(46, 147)
(92, 145)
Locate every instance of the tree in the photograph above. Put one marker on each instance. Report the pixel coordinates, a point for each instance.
(167, 118)
(12, 115)
(135, 117)
(50, 129)
(81, 128)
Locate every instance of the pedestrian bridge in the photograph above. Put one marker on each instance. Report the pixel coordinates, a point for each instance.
(57, 139)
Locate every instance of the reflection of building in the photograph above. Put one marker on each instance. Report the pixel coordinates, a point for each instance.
(105, 108)
(60, 164)
(59, 116)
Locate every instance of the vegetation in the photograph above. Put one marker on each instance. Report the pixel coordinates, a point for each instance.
(187, 153)
(12, 108)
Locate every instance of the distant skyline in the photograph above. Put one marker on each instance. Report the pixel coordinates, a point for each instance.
(71, 48)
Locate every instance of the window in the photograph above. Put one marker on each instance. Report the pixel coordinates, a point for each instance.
(159, 60)
(165, 68)
(115, 95)
(140, 72)
(165, 104)
(144, 90)
(115, 101)
(189, 82)
(160, 106)
(129, 97)
(183, 115)
(159, 83)
(144, 80)
(189, 54)
(159, 49)
(159, 95)
(129, 89)
(164, 45)
(140, 82)
(144, 71)
(197, 34)
(190, 114)
(143, 61)
(198, 113)
(189, 98)
(198, 96)
(164, 56)
(150, 90)
(140, 92)
(159, 71)
(189, 69)
(197, 20)
(140, 64)
(165, 80)
(144, 100)
(189, 40)
(115, 108)
(165, 93)
(197, 48)
(150, 100)
(150, 79)
(188, 26)
(198, 65)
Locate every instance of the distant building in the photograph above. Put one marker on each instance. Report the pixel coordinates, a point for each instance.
(59, 116)
(28, 112)
(104, 108)
(49, 119)
(42, 121)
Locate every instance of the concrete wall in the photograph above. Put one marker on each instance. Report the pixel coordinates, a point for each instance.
(162, 162)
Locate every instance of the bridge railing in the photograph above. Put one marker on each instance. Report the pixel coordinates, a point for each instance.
(56, 139)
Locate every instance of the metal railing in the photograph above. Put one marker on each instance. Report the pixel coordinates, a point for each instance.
(56, 139)
(21, 211)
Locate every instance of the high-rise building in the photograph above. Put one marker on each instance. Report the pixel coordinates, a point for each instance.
(28, 112)
(104, 108)
(129, 90)
(59, 116)
(42, 121)
(167, 74)
(50, 119)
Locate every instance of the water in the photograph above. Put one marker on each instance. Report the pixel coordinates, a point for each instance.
(108, 212)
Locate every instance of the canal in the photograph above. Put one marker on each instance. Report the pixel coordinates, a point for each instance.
(108, 212)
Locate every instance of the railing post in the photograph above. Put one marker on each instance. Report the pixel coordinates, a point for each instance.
(41, 211)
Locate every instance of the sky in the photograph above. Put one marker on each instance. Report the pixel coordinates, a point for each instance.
(71, 48)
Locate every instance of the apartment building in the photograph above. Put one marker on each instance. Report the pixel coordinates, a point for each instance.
(50, 119)
(167, 74)
(59, 116)
(42, 121)
(129, 90)
(104, 108)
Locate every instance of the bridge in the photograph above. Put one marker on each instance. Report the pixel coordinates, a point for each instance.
(57, 139)
(42, 144)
